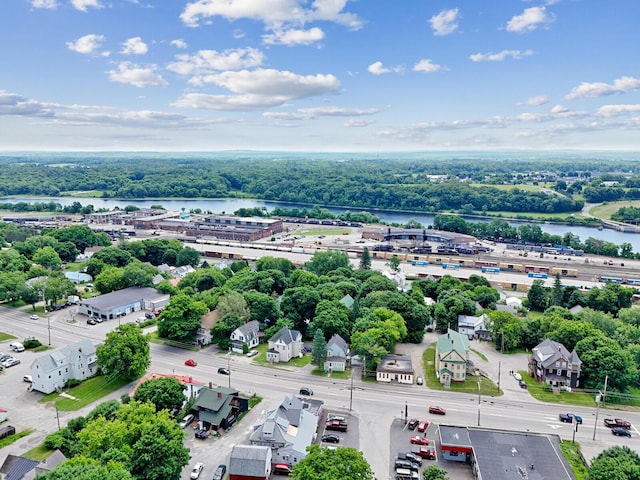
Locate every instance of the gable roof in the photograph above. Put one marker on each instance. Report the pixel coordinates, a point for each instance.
(15, 467)
(338, 341)
(248, 328)
(123, 297)
(452, 340)
(286, 336)
(51, 361)
(549, 352)
(249, 460)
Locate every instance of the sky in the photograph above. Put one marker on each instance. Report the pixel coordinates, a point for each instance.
(319, 75)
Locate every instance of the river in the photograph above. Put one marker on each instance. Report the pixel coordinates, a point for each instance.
(231, 205)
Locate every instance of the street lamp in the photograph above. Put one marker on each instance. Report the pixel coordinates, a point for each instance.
(49, 328)
(600, 397)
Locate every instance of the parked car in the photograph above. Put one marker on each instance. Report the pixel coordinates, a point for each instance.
(412, 457)
(336, 425)
(419, 381)
(414, 467)
(202, 433)
(190, 362)
(223, 371)
(517, 376)
(332, 417)
(419, 440)
(423, 425)
(27, 378)
(252, 353)
(424, 452)
(281, 469)
(149, 315)
(11, 362)
(187, 419)
(522, 384)
(91, 321)
(621, 432)
(16, 347)
(437, 410)
(330, 438)
(197, 470)
(219, 473)
(306, 391)
(413, 423)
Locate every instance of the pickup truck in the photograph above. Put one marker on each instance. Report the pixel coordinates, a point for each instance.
(423, 452)
(568, 418)
(617, 422)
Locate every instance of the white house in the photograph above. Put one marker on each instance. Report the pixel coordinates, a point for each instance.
(471, 326)
(247, 333)
(284, 345)
(337, 351)
(51, 370)
(395, 368)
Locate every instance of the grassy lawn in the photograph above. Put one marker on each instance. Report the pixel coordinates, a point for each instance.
(571, 452)
(470, 385)
(87, 392)
(38, 453)
(14, 438)
(261, 358)
(340, 375)
(480, 354)
(320, 231)
(5, 336)
(605, 210)
(536, 390)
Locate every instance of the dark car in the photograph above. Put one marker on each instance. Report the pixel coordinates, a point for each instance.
(406, 464)
(411, 457)
(330, 438)
(413, 423)
(621, 432)
(522, 384)
(202, 434)
(306, 391)
(219, 473)
(223, 371)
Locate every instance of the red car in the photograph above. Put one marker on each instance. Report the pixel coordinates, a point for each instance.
(424, 452)
(418, 440)
(423, 425)
(437, 410)
(190, 362)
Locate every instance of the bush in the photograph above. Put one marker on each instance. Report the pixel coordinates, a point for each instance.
(31, 343)
(72, 382)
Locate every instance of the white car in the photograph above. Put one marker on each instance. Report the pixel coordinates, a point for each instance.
(27, 378)
(34, 317)
(197, 470)
(517, 376)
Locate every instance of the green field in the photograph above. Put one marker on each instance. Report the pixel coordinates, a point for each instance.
(605, 210)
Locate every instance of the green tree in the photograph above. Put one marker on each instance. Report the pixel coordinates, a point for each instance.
(434, 473)
(233, 302)
(188, 256)
(261, 305)
(110, 280)
(299, 305)
(272, 263)
(557, 293)
(166, 393)
(57, 287)
(83, 468)
(181, 319)
(124, 353)
(48, 258)
(365, 260)
(114, 256)
(507, 330)
(326, 464)
(331, 317)
(324, 262)
(394, 263)
(611, 361)
(615, 463)
(319, 349)
(537, 296)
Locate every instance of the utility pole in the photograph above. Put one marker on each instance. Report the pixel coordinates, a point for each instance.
(351, 391)
(229, 367)
(58, 417)
(479, 397)
(49, 328)
(501, 352)
(599, 399)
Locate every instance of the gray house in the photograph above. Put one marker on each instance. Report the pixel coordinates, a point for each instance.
(250, 462)
(337, 352)
(289, 429)
(128, 300)
(550, 362)
(247, 333)
(51, 370)
(284, 345)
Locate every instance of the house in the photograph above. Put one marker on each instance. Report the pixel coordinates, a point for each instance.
(245, 334)
(395, 368)
(250, 462)
(218, 408)
(113, 304)
(337, 352)
(51, 370)
(452, 355)
(289, 429)
(203, 334)
(550, 362)
(284, 345)
(471, 326)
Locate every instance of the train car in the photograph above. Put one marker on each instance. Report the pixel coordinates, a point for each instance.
(611, 279)
(537, 275)
(633, 281)
(438, 260)
(451, 266)
(565, 272)
(511, 267)
(484, 263)
(420, 263)
(490, 269)
(536, 269)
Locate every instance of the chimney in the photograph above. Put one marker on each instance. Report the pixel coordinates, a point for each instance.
(210, 385)
(219, 394)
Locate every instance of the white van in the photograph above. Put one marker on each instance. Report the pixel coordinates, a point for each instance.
(186, 420)
(16, 347)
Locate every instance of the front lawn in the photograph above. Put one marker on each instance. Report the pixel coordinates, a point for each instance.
(261, 358)
(537, 391)
(470, 385)
(571, 452)
(87, 392)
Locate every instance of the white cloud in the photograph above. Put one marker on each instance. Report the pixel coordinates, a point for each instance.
(337, 111)
(537, 100)
(357, 123)
(82, 5)
(258, 89)
(557, 109)
(294, 37)
(529, 20)
(12, 104)
(444, 23)
(49, 4)
(427, 66)
(207, 61)
(377, 68)
(179, 43)
(500, 56)
(132, 74)
(134, 46)
(271, 13)
(616, 110)
(599, 89)
(86, 45)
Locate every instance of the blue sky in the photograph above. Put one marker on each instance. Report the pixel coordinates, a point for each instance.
(323, 75)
